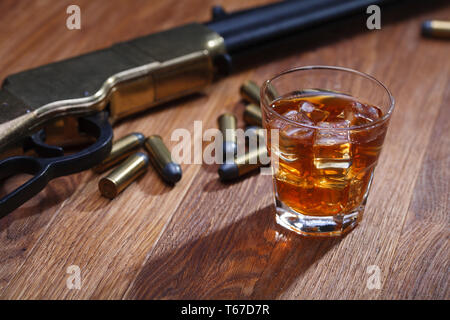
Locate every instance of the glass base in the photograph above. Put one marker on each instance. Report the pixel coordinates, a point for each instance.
(328, 226)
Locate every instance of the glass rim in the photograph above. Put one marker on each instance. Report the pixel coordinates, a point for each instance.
(383, 119)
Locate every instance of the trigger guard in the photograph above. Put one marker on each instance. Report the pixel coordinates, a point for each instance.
(97, 126)
(37, 142)
(46, 169)
(94, 125)
(91, 125)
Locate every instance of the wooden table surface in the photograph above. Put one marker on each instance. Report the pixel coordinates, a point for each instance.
(203, 239)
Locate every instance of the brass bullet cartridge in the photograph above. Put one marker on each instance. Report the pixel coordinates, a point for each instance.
(436, 28)
(253, 115)
(120, 150)
(121, 177)
(250, 92)
(227, 125)
(242, 164)
(161, 159)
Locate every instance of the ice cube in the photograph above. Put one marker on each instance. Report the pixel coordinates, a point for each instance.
(347, 114)
(313, 113)
(332, 149)
(327, 126)
(330, 136)
(296, 131)
(294, 138)
(293, 115)
(298, 116)
(306, 107)
(331, 182)
(288, 128)
(365, 113)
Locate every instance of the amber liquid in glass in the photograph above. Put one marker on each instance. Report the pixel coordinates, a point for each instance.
(325, 164)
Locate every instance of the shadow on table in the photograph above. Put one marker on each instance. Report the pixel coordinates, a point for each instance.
(252, 258)
(28, 214)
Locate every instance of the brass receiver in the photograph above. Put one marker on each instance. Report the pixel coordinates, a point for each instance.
(126, 78)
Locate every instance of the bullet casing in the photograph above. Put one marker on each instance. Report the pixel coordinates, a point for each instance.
(250, 92)
(228, 121)
(120, 150)
(227, 125)
(161, 159)
(253, 115)
(243, 164)
(436, 28)
(121, 177)
(250, 160)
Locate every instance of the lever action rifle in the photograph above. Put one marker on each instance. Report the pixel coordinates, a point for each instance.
(104, 86)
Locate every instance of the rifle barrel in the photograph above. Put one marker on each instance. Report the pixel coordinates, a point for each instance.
(251, 28)
(241, 21)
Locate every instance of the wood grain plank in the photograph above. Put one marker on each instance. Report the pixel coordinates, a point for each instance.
(232, 250)
(424, 245)
(20, 230)
(130, 223)
(86, 209)
(184, 266)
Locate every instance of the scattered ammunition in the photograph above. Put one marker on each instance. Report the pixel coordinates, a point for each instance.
(121, 149)
(436, 28)
(253, 115)
(227, 125)
(121, 177)
(242, 164)
(162, 160)
(250, 92)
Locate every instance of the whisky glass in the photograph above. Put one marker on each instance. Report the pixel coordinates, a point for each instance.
(330, 123)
